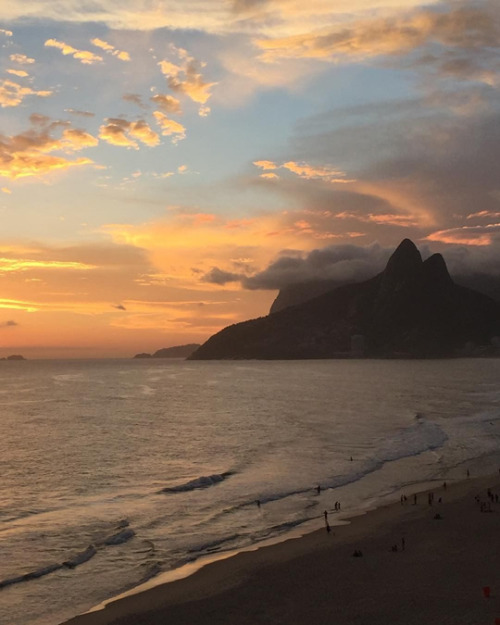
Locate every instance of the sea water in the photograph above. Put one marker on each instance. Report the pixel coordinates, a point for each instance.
(114, 471)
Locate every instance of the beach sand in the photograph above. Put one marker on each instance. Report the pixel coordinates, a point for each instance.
(315, 580)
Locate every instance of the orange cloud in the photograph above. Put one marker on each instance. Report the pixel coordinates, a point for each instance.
(17, 305)
(305, 170)
(84, 56)
(170, 127)
(484, 214)
(188, 244)
(388, 219)
(28, 154)
(186, 78)
(75, 139)
(12, 94)
(266, 164)
(107, 47)
(22, 264)
(122, 133)
(18, 72)
(463, 236)
(22, 59)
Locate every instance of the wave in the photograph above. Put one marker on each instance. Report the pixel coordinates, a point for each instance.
(87, 554)
(31, 575)
(120, 537)
(80, 558)
(423, 435)
(200, 482)
(212, 545)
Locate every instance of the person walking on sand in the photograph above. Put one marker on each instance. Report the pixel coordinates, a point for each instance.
(326, 516)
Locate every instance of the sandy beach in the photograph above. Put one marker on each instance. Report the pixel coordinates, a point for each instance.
(438, 577)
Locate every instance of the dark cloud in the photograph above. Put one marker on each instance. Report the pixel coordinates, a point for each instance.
(119, 307)
(474, 267)
(340, 263)
(218, 276)
(134, 98)
(8, 324)
(166, 103)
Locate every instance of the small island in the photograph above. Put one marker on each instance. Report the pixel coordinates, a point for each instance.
(14, 357)
(177, 351)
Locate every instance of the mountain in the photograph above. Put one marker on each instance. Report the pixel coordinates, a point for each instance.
(300, 292)
(412, 309)
(178, 351)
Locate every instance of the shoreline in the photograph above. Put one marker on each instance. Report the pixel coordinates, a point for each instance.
(305, 570)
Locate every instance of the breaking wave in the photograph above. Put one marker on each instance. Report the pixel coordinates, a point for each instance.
(76, 560)
(200, 482)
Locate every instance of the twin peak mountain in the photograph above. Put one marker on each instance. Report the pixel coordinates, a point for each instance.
(412, 309)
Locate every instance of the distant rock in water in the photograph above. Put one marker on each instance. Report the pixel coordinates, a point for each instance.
(178, 351)
(412, 309)
(14, 357)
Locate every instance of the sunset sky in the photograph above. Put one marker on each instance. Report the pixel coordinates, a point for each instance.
(166, 166)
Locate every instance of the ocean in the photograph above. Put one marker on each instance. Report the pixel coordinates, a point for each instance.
(116, 471)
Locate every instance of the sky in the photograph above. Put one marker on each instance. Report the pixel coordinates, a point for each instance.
(167, 166)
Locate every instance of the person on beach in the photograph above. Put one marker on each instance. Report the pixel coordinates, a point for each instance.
(326, 515)
(318, 489)
(258, 503)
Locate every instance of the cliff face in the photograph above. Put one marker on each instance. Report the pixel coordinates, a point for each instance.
(413, 309)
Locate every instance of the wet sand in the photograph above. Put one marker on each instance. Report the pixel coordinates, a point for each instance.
(315, 580)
